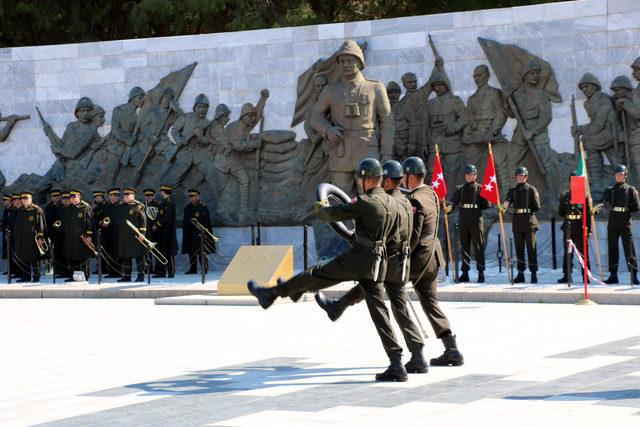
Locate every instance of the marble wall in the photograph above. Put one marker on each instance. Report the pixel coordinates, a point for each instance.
(597, 36)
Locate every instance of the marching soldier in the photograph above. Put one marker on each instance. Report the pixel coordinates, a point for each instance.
(53, 212)
(29, 227)
(110, 230)
(375, 214)
(190, 234)
(622, 200)
(77, 226)
(164, 228)
(525, 201)
(129, 243)
(470, 222)
(572, 229)
(98, 216)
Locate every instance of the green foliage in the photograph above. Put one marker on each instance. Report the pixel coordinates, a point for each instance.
(36, 22)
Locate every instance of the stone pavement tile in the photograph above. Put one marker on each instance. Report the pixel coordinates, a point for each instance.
(612, 348)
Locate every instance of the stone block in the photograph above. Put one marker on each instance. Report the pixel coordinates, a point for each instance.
(623, 38)
(134, 60)
(280, 50)
(618, 69)
(558, 44)
(111, 61)
(331, 31)
(89, 49)
(528, 31)
(622, 55)
(558, 11)
(286, 79)
(134, 45)
(383, 42)
(497, 16)
(623, 21)
(590, 7)
(590, 23)
(526, 14)
(623, 6)
(357, 29)
(277, 65)
(56, 51)
(591, 57)
(309, 32)
(467, 19)
(591, 40)
(560, 27)
(22, 53)
(113, 75)
(440, 21)
(412, 40)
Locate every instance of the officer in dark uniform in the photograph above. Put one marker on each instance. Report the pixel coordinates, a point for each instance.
(29, 229)
(470, 222)
(571, 215)
(524, 200)
(190, 234)
(16, 204)
(99, 206)
(398, 253)
(150, 202)
(622, 200)
(110, 232)
(53, 212)
(165, 230)
(62, 266)
(129, 243)
(7, 206)
(375, 214)
(77, 222)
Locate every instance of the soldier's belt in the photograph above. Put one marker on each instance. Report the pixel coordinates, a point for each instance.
(572, 217)
(522, 211)
(361, 132)
(619, 209)
(469, 206)
(363, 241)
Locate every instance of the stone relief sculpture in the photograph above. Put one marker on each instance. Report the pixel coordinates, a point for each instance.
(11, 122)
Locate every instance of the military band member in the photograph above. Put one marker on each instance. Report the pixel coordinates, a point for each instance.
(77, 222)
(190, 234)
(524, 201)
(572, 229)
(29, 229)
(16, 203)
(129, 243)
(164, 228)
(98, 216)
(150, 202)
(622, 200)
(470, 222)
(53, 212)
(6, 206)
(109, 231)
(65, 199)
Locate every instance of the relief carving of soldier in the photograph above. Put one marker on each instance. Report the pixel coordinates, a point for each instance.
(214, 132)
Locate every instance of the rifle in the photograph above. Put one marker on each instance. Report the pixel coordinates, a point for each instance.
(436, 55)
(574, 122)
(48, 130)
(520, 122)
(16, 117)
(204, 126)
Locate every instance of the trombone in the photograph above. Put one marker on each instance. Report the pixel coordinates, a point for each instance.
(148, 244)
(57, 224)
(105, 222)
(202, 229)
(42, 247)
(89, 244)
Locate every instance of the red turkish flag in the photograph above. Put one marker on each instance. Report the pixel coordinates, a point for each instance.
(437, 179)
(489, 188)
(577, 190)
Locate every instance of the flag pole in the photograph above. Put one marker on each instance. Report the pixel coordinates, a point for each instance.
(585, 257)
(593, 220)
(504, 239)
(446, 228)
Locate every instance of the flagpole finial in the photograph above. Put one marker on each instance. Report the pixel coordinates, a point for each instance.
(489, 147)
(437, 152)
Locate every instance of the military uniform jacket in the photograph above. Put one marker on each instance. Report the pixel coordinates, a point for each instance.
(446, 111)
(524, 201)
(572, 214)
(190, 234)
(150, 234)
(234, 139)
(109, 235)
(622, 200)
(486, 115)
(375, 214)
(29, 223)
(123, 123)
(602, 119)
(5, 227)
(398, 237)
(426, 252)
(166, 227)
(467, 197)
(77, 220)
(128, 244)
(52, 214)
(192, 149)
(98, 214)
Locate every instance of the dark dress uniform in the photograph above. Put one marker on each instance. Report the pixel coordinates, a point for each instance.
(5, 224)
(53, 212)
(77, 220)
(470, 223)
(109, 237)
(128, 244)
(622, 200)
(98, 216)
(572, 229)
(166, 234)
(525, 200)
(29, 224)
(191, 235)
(11, 219)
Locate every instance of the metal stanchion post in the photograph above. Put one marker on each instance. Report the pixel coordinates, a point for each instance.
(52, 247)
(511, 258)
(456, 252)
(305, 246)
(99, 257)
(259, 237)
(553, 243)
(9, 257)
(499, 255)
(253, 235)
(203, 257)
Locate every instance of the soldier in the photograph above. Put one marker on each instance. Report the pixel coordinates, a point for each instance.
(446, 119)
(470, 222)
(150, 202)
(214, 132)
(600, 135)
(319, 149)
(124, 133)
(627, 102)
(29, 229)
(53, 212)
(397, 246)
(77, 222)
(354, 115)
(412, 107)
(7, 206)
(237, 138)
(65, 199)
(622, 200)
(525, 201)
(110, 231)
(402, 126)
(190, 234)
(129, 243)
(572, 229)
(165, 228)
(375, 214)
(16, 204)
(98, 216)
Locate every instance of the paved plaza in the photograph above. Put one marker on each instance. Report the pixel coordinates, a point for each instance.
(81, 362)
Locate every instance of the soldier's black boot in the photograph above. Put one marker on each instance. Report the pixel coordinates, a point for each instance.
(417, 364)
(265, 296)
(451, 355)
(634, 279)
(563, 279)
(480, 276)
(124, 279)
(519, 278)
(140, 278)
(612, 279)
(395, 371)
(464, 277)
(332, 307)
(534, 277)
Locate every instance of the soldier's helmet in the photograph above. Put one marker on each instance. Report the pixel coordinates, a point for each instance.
(393, 86)
(620, 169)
(201, 100)
(589, 78)
(83, 102)
(221, 109)
(97, 110)
(392, 169)
(247, 108)
(440, 77)
(351, 48)
(167, 91)
(136, 91)
(521, 170)
(470, 169)
(369, 168)
(621, 81)
(636, 63)
(414, 166)
(530, 66)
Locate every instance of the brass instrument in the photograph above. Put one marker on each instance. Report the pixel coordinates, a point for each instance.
(57, 224)
(152, 212)
(42, 247)
(148, 244)
(88, 243)
(203, 230)
(105, 221)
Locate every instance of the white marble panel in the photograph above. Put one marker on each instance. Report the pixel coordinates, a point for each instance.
(590, 7)
(525, 14)
(412, 40)
(560, 10)
(387, 42)
(56, 51)
(357, 29)
(497, 16)
(623, 6)
(623, 21)
(467, 19)
(331, 31)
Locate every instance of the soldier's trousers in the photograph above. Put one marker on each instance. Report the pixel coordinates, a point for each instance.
(169, 269)
(79, 265)
(575, 234)
(29, 270)
(240, 176)
(334, 272)
(595, 160)
(399, 300)
(472, 237)
(110, 173)
(627, 246)
(634, 153)
(427, 290)
(194, 259)
(127, 266)
(528, 238)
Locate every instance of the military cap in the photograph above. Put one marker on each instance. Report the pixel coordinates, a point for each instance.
(201, 99)
(97, 110)
(15, 196)
(167, 91)
(65, 194)
(136, 91)
(114, 190)
(636, 63)
(620, 169)
(393, 86)
(247, 108)
(193, 192)
(166, 188)
(591, 79)
(470, 169)
(392, 169)
(129, 190)
(621, 81)
(84, 102)
(27, 194)
(75, 191)
(97, 193)
(221, 110)
(414, 166)
(521, 170)
(54, 192)
(351, 48)
(6, 197)
(440, 77)
(149, 192)
(530, 66)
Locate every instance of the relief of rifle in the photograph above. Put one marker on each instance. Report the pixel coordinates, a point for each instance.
(574, 122)
(14, 116)
(627, 149)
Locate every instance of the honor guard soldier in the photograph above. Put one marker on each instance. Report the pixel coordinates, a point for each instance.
(524, 201)
(622, 200)
(7, 206)
(129, 242)
(109, 233)
(77, 226)
(99, 206)
(470, 222)
(164, 228)
(375, 214)
(29, 229)
(53, 212)
(190, 234)
(572, 229)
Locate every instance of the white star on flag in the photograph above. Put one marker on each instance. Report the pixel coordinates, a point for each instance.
(488, 187)
(436, 184)
(440, 177)
(492, 179)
